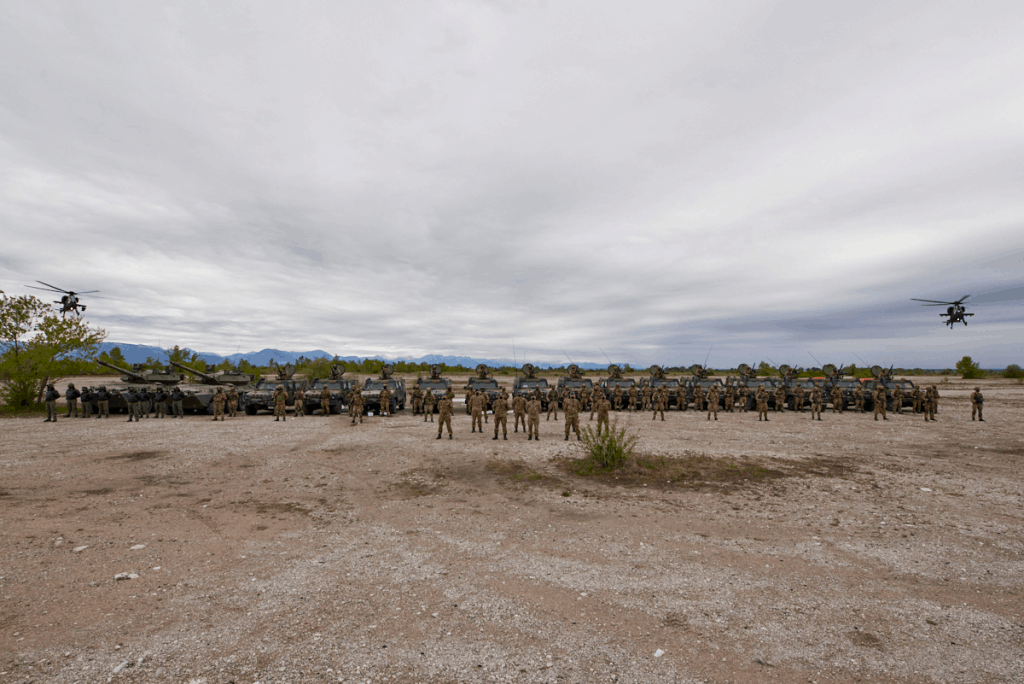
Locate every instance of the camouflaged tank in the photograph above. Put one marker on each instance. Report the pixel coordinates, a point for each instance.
(139, 378)
(199, 394)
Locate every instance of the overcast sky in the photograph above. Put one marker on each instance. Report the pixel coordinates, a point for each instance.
(404, 178)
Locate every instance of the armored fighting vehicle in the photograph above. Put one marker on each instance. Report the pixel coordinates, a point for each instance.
(484, 381)
(141, 379)
(659, 380)
(373, 386)
(340, 389)
(199, 395)
(261, 397)
(884, 376)
(572, 381)
(699, 376)
(524, 386)
(435, 384)
(615, 379)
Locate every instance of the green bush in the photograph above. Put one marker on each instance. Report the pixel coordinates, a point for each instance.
(608, 450)
(968, 369)
(1013, 371)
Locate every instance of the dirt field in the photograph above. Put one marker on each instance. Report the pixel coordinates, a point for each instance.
(316, 551)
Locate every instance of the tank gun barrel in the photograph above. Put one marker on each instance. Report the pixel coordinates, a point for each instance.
(136, 377)
(205, 376)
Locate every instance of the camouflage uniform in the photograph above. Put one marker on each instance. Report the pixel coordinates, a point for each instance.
(916, 396)
(103, 403)
(595, 400)
(444, 416)
(476, 408)
(816, 397)
(428, 406)
(617, 399)
(219, 400)
(519, 412)
(730, 398)
(633, 396)
(553, 403)
(780, 398)
(761, 399)
(160, 403)
(500, 407)
(87, 396)
(603, 406)
(385, 401)
(897, 400)
(713, 397)
(233, 402)
(71, 396)
(417, 400)
(486, 404)
(744, 396)
(300, 402)
(837, 399)
(51, 404)
(935, 400)
(698, 397)
(858, 397)
(977, 404)
(325, 401)
(572, 408)
(798, 398)
(585, 397)
(660, 399)
(533, 419)
(280, 400)
(929, 403)
(879, 395)
(177, 403)
(355, 405)
(646, 394)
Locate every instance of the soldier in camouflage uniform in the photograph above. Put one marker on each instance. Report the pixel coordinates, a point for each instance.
(71, 397)
(299, 402)
(87, 397)
(355, 405)
(603, 407)
(698, 397)
(595, 401)
(744, 396)
(160, 403)
(533, 418)
(500, 407)
(325, 401)
(519, 412)
(633, 396)
(977, 404)
(935, 400)
(761, 399)
(428, 406)
(916, 396)
(780, 398)
(444, 415)
(476, 410)
(617, 399)
(417, 400)
(730, 398)
(52, 395)
(553, 403)
(897, 399)
(816, 398)
(659, 399)
(858, 398)
(798, 398)
(646, 395)
(280, 398)
(879, 396)
(219, 400)
(384, 397)
(837, 399)
(929, 403)
(572, 408)
(584, 397)
(713, 398)
(233, 397)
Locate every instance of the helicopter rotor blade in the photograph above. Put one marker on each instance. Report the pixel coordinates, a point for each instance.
(88, 292)
(933, 301)
(44, 289)
(961, 300)
(53, 286)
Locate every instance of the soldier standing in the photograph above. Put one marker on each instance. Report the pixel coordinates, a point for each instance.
(879, 396)
(384, 398)
(476, 410)
(897, 399)
(51, 404)
(233, 398)
(761, 399)
(816, 397)
(837, 399)
(595, 400)
(553, 403)
(929, 403)
(798, 398)
(177, 399)
(713, 397)
(486, 404)
(219, 400)
(730, 398)
(428, 406)
(633, 395)
(299, 400)
(660, 399)
(87, 397)
(71, 396)
(744, 395)
(325, 401)
(916, 396)
(698, 397)
(102, 403)
(134, 405)
(617, 398)
(533, 418)
(444, 415)
(603, 407)
(519, 411)
(417, 400)
(355, 405)
(160, 403)
(935, 400)
(280, 398)
(585, 397)
(858, 397)
(500, 407)
(645, 397)
(572, 408)
(780, 398)
(977, 403)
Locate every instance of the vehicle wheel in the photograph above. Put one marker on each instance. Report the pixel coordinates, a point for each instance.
(250, 410)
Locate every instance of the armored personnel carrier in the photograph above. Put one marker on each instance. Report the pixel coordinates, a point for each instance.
(524, 386)
(261, 397)
(199, 395)
(340, 389)
(372, 387)
(435, 384)
(572, 381)
(699, 376)
(483, 381)
(658, 379)
(884, 376)
(141, 379)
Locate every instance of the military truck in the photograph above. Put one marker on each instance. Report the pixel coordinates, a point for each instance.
(340, 389)
(524, 386)
(261, 397)
(435, 384)
(140, 378)
(884, 376)
(199, 395)
(699, 376)
(373, 386)
(572, 381)
(658, 380)
(483, 381)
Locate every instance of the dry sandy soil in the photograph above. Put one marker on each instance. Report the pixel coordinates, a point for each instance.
(318, 551)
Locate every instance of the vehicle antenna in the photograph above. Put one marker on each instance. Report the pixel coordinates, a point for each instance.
(567, 356)
(772, 362)
(708, 357)
(816, 360)
(515, 364)
(861, 360)
(605, 355)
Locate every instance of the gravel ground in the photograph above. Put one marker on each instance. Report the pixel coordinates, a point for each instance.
(318, 551)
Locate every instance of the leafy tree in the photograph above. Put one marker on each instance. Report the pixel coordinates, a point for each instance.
(1013, 371)
(968, 369)
(314, 368)
(37, 345)
(185, 356)
(114, 357)
(765, 369)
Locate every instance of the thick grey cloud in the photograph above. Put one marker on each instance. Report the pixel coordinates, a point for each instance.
(447, 177)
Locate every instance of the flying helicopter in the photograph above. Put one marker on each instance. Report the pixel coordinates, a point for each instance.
(69, 302)
(956, 311)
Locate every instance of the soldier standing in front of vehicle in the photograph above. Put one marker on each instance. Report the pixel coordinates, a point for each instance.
(355, 405)
(280, 398)
(897, 400)
(299, 402)
(879, 397)
(52, 395)
(617, 399)
(633, 395)
(385, 400)
(134, 409)
(177, 400)
(519, 412)
(325, 401)
(572, 408)
(417, 400)
(160, 403)
(798, 398)
(603, 407)
(660, 399)
(929, 403)
(102, 402)
(730, 398)
(816, 398)
(476, 411)
(744, 395)
(444, 415)
(858, 398)
(233, 398)
(935, 400)
(713, 398)
(916, 396)
(71, 396)
(533, 419)
(553, 403)
(87, 397)
(219, 400)
(761, 399)
(428, 406)
(645, 399)
(977, 404)
(698, 397)
(837, 399)
(500, 407)
(780, 398)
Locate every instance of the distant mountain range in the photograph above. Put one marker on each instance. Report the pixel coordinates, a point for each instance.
(138, 353)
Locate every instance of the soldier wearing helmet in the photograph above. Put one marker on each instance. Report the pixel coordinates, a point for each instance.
(280, 400)
(977, 403)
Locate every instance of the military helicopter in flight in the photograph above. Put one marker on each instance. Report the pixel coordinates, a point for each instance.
(69, 302)
(956, 311)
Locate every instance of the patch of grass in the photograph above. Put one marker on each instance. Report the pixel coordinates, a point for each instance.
(517, 471)
(605, 451)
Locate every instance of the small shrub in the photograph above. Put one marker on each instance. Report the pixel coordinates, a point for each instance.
(1013, 371)
(969, 369)
(609, 450)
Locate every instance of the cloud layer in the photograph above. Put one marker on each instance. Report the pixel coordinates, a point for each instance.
(450, 177)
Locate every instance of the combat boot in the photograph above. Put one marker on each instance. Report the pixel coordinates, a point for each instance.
(505, 436)
(439, 435)
(495, 435)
